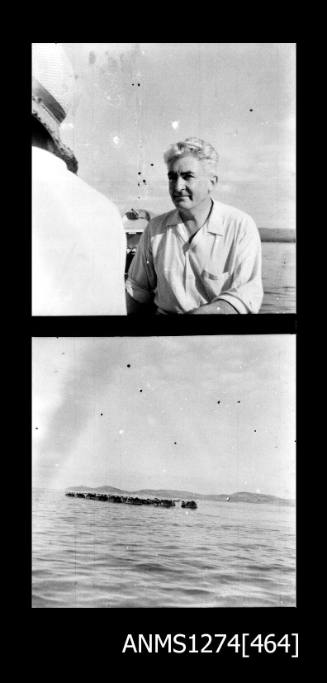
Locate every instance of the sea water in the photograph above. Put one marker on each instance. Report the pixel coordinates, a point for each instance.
(279, 277)
(88, 553)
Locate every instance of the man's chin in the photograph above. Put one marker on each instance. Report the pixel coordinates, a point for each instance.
(182, 201)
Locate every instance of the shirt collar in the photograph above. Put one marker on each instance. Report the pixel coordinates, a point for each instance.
(215, 224)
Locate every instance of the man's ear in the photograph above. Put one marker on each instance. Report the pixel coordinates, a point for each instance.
(213, 181)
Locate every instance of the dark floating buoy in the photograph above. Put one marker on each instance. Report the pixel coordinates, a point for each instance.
(128, 365)
(189, 504)
(218, 402)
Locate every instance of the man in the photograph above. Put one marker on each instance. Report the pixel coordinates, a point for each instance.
(78, 239)
(202, 258)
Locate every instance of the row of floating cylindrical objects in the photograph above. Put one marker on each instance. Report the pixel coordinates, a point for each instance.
(132, 500)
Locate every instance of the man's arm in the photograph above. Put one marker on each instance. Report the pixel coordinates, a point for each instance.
(136, 307)
(132, 305)
(141, 279)
(244, 293)
(217, 307)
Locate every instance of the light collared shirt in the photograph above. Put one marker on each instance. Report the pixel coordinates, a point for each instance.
(78, 244)
(222, 262)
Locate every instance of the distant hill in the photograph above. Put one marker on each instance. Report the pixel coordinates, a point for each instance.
(277, 235)
(247, 497)
(101, 489)
(238, 497)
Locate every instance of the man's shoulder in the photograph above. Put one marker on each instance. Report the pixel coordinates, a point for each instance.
(159, 223)
(163, 218)
(236, 223)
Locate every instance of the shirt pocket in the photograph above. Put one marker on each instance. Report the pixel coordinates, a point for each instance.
(215, 283)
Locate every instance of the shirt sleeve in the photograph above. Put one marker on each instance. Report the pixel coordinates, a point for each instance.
(142, 280)
(246, 292)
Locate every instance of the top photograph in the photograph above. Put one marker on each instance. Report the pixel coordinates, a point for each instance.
(163, 179)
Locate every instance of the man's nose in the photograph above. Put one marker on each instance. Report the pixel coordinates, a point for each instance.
(180, 184)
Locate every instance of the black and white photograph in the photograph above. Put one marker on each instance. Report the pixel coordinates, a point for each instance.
(163, 472)
(163, 178)
(163, 465)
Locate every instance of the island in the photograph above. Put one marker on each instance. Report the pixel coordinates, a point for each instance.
(168, 498)
(131, 500)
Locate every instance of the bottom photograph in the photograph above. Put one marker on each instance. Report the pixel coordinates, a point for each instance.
(163, 471)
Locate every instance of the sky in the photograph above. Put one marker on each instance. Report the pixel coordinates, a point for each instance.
(208, 414)
(133, 100)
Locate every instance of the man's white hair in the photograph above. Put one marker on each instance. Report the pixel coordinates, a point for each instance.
(199, 148)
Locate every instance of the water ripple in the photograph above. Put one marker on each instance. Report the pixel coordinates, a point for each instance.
(85, 557)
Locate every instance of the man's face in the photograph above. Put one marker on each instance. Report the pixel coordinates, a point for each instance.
(190, 183)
